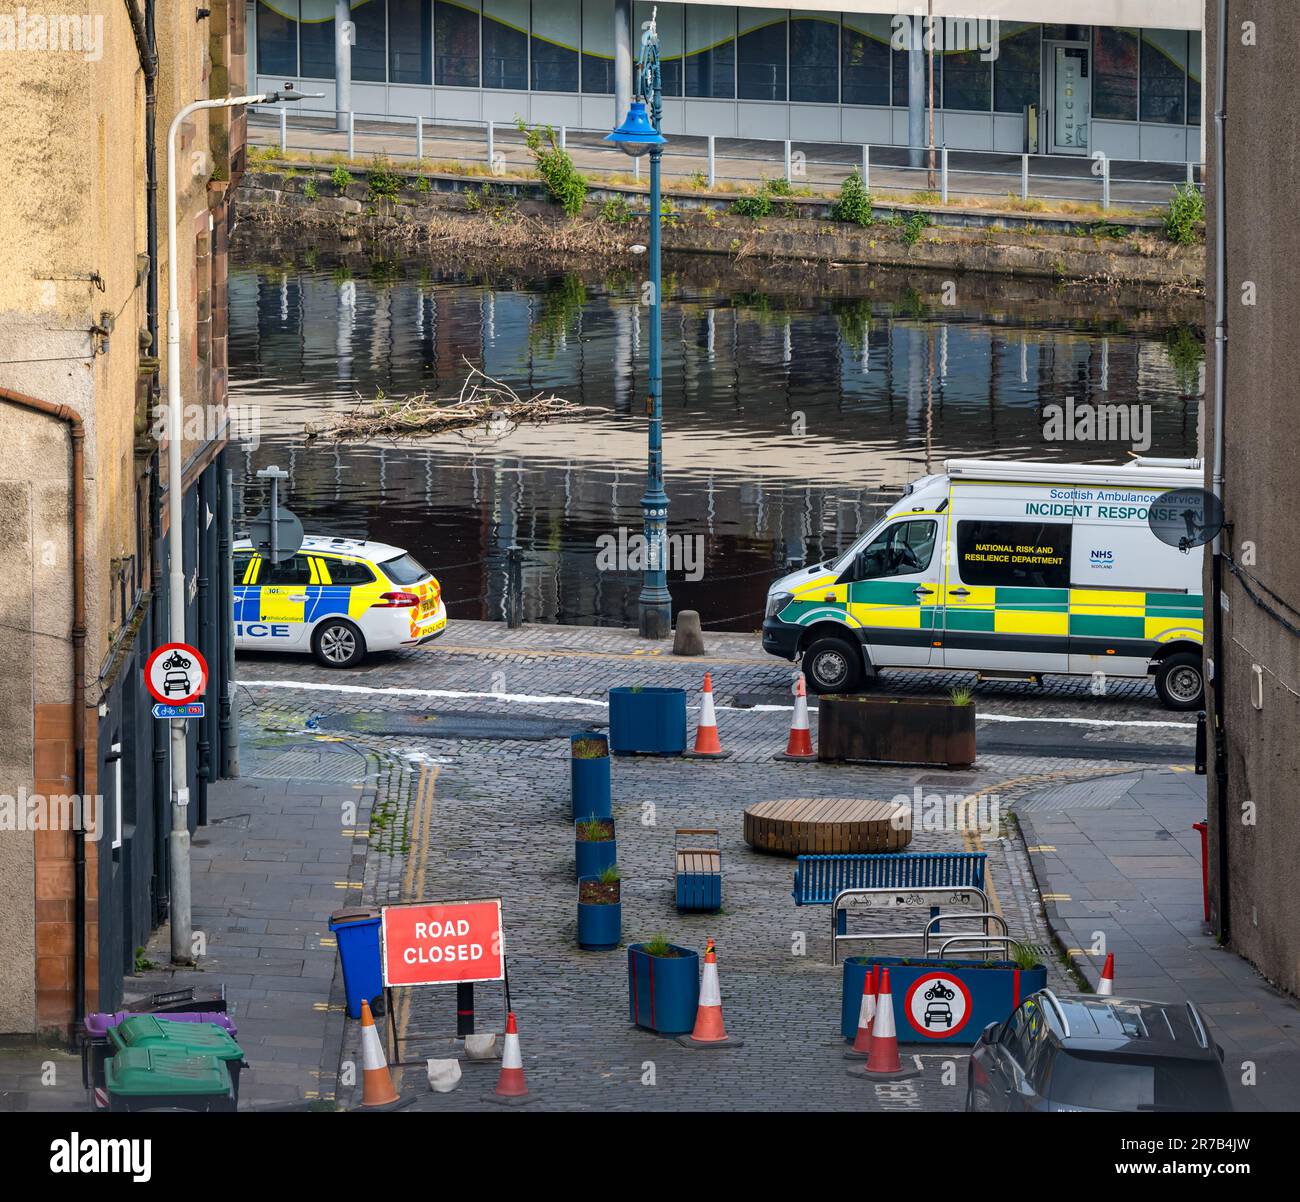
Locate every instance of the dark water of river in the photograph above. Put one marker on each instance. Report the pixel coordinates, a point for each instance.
(795, 409)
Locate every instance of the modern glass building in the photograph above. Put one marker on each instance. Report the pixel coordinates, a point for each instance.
(1005, 82)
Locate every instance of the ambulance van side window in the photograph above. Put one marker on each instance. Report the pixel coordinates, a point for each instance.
(1014, 554)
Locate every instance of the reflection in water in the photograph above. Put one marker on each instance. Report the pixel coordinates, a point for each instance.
(791, 421)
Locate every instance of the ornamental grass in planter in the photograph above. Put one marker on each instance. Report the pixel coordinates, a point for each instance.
(663, 983)
(935, 731)
(594, 846)
(589, 789)
(600, 911)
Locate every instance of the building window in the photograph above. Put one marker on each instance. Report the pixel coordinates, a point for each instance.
(455, 45)
(864, 59)
(554, 46)
(1065, 33)
(316, 39)
(967, 74)
(711, 51)
(410, 31)
(1194, 77)
(370, 54)
(760, 55)
(669, 23)
(1115, 74)
(1164, 76)
(901, 68)
(505, 44)
(814, 53)
(277, 37)
(1018, 69)
(598, 46)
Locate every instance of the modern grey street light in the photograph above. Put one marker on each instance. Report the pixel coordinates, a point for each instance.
(640, 134)
(178, 841)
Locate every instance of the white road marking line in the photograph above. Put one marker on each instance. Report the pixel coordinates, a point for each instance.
(450, 694)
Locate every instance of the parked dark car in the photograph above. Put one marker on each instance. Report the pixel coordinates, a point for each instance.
(1084, 1052)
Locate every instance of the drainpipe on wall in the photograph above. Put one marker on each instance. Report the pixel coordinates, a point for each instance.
(1216, 483)
(77, 437)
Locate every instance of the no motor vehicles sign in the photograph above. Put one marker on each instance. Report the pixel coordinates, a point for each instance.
(443, 943)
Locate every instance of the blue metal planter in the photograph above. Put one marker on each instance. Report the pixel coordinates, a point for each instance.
(589, 780)
(648, 721)
(592, 858)
(664, 991)
(600, 927)
(941, 1001)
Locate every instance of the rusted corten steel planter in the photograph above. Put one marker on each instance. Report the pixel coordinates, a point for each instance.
(896, 730)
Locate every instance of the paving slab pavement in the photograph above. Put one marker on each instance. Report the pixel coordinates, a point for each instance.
(1132, 872)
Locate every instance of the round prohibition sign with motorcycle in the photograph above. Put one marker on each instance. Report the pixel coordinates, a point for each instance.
(938, 1005)
(176, 674)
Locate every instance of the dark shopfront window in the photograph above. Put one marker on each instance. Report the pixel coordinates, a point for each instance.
(277, 37)
(409, 35)
(864, 60)
(1115, 74)
(505, 45)
(1018, 69)
(556, 35)
(1164, 76)
(370, 53)
(760, 55)
(711, 52)
(814, 53)
(455, 42)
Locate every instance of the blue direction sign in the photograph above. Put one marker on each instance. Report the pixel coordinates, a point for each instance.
(191, 709)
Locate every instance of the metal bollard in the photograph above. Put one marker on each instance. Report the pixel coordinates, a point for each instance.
(514, 586)
(713, 174)
(1200, 743)
(419, 139)
(491, 142)
(1024, 177)
(866, 167)
(787, 161)
(564, 137)
(284, 131)
(352, 135)
(943, 175)
(1105, 182)
(1191, 174)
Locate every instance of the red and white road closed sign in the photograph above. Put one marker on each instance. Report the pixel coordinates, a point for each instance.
(443, 943)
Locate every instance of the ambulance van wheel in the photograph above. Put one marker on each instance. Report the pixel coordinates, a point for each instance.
(832, 666)
(338, 644)
(1180, 682)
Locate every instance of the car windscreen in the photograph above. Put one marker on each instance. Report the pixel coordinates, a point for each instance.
(1133, 1083)
(405, 569)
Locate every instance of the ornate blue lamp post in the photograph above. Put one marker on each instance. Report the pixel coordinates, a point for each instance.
(638, 135)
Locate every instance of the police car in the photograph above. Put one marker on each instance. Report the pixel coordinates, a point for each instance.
(336, 598)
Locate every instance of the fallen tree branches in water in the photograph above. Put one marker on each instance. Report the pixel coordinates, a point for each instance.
(484, 408)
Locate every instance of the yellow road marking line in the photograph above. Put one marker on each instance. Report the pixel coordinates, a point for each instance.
(1057, 897)
(1041, 847)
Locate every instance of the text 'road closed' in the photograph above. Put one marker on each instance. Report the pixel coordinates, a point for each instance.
(431, 943)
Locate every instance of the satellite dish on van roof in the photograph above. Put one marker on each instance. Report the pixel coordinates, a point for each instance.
(1185, 517)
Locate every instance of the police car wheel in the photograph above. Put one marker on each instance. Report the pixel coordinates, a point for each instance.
(338, 644)
(1180, 682)
(832, 666)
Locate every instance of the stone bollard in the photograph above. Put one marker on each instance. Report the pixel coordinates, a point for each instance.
(688, 638)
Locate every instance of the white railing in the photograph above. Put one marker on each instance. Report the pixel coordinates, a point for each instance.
(904, 172)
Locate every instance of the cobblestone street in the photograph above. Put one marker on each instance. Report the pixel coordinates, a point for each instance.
(490, 816)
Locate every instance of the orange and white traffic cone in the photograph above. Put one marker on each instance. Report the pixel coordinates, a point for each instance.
(376, 1081)
(707, 745)
(1106, 986)
(883, 1063)
(799, 745)
(861, 1048)
(511, 1083)
(709, 1031)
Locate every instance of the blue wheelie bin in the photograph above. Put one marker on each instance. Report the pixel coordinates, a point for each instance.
(357, 932)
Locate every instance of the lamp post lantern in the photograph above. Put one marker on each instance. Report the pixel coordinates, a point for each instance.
(640, 134)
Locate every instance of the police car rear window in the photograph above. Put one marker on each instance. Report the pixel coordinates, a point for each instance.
(403, 570)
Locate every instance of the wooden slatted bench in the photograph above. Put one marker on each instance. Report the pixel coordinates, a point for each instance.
(698, 871)
(808, 825)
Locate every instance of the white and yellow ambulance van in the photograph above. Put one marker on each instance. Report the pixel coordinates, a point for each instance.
(1009, 569)
(337, 599)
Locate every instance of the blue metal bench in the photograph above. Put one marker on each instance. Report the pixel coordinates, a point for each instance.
(698, 872)
(819, 879)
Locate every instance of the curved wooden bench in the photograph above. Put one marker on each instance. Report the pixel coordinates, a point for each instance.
(823, 826)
